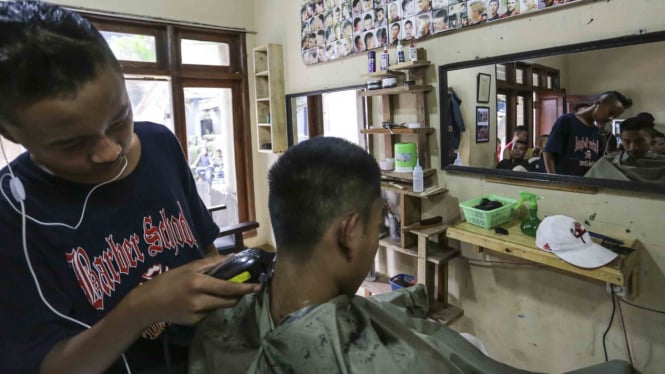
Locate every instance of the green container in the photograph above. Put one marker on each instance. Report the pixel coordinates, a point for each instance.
(405, 157)
(488, 218)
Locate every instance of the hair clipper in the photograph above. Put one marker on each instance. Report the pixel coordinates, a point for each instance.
(249, 266)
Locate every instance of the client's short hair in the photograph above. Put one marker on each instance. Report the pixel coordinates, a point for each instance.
(315, 182)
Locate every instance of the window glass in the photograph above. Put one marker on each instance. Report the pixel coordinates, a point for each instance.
(501, 72)
(209, 119)
(519, 76)
(200, 52)
(131, 47)
(151, 99)
(341, 123)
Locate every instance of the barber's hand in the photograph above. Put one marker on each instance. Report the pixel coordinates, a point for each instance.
(184, 295)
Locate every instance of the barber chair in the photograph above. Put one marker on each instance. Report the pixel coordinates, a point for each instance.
(230, 238)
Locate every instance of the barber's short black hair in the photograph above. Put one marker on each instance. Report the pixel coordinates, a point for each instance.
(367, 16)
(616, 95)
(315, 182)
(46, 52)
(636, 124)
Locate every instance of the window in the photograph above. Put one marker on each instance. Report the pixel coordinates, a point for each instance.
(197, 87)
(131, 47)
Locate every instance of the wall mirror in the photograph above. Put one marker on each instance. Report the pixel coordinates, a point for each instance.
(332, 112)
(534, 88)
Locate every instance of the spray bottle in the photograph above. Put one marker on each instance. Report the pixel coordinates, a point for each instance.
(530, 224)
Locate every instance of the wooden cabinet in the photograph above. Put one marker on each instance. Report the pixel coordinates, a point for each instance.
(270, 100)
(427, 243)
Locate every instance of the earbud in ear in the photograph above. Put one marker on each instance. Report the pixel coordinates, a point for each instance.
(16, 187)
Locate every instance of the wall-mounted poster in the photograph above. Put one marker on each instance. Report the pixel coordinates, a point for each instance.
(333, 29)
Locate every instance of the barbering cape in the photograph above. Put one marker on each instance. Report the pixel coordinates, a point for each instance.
(650, 168)
(383, 334)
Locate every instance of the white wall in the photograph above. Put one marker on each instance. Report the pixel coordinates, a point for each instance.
(532, 318)
(228, 13)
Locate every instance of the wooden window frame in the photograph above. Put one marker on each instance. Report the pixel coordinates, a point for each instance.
(168, 37)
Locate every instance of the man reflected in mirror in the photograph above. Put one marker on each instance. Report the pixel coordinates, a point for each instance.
(658, 142)
(575, 142)
(636, 162)
(517, 152)
(522, 134)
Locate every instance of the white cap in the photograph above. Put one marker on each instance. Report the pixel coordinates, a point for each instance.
(570, 241)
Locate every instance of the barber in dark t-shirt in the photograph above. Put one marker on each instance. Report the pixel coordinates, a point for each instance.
(575, 142)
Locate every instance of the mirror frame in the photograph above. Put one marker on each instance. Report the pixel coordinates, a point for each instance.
(289, 110)
(538, 178)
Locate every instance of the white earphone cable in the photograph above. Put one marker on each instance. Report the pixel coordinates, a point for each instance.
(25, 241)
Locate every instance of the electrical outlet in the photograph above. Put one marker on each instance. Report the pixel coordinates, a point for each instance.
(618, 290)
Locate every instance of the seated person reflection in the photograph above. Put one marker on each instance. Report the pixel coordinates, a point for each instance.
(636, 162)
(516, 158)
(536, 162)
(575, 142)
(658, 142)
(521, 133)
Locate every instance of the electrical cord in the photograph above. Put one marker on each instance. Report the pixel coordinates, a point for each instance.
(20, 197)
(641, 307)
(625, 334)
(614, 306)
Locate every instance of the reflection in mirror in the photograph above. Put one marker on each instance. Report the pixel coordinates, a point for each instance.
(530, 91)
(334, 112)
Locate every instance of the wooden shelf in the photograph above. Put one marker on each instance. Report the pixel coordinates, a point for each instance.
(410, 65)
(397, 90)
(622, 271)
(405, 177)
(399, 130)
(384, 74)
(378, 286)
(407, 189)
(435, 254)
(270, 101)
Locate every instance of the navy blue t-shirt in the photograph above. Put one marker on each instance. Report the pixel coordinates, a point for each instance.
(576, 147)
(133, 229)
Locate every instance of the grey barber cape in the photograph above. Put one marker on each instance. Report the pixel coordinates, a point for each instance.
(382, 334)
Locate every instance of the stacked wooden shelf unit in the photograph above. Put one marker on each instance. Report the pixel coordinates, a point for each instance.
(415, 240)
(270, 100)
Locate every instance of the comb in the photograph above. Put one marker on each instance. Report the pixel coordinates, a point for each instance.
(614, 245)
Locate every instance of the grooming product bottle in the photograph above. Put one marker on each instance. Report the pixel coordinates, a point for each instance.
(458, 160)
(385, 58)
(529, 225)
(413, 52)
(418, 183)
(371, 62)
(400, 53)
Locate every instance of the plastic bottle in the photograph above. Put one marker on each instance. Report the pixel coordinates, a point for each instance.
(400, 53)
(371, 62)
(385, 58)
(529, 225)
(418, 183)
(458, 160)
(413, 52)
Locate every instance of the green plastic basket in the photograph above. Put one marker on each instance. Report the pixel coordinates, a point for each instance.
(488, 218)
